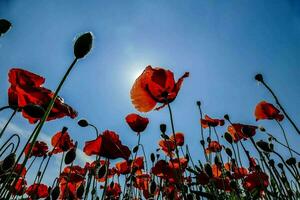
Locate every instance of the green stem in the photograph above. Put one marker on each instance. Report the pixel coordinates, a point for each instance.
(9, 120)
(106, 176)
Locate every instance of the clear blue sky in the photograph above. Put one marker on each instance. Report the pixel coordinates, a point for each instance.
(223, 44)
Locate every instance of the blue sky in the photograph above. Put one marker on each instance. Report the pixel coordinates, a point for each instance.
(223, 44)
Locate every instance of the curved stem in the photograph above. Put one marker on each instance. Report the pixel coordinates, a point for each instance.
(96, 129)
(286, 140)
(202, 135)
(4, 107)
(280, 106)
(9, 120)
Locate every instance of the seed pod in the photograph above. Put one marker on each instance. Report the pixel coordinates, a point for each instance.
(55, 193)
(101, 172)
(208, 170)
(263, 146)
(228, 152)
(228, 138)
(35, 111)
(8, 162)
(259, 77)
(163, 128)
(83, 123)
(80, 191)
(70, 156)
(135, 149)
(83, 45)
(198, 103)
(202, 142)
(4, 26)
(152, 157)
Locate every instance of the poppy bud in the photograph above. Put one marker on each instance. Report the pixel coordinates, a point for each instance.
(80, 191)
(202, 142)
(208, 170)
(291, 161)
(157, 156)
(70, 156)
(299, 165)
(152, 187)
(280, 165)
(112, 184)
(198, 168)
(208, 140)
(4, 26)
(217, 161)
(83, 45)
(135, 149)
(163, 128)
(34, 111)
(259, 77)
(229, 152)
(101, 171)
(152, 156)
(55, 193)
(228, 138)
(198, 103)
(272, 163)
(83, 123)
(264, 146)
(226, 117)
(8, 162)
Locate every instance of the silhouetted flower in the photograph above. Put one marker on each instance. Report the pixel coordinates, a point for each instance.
(214, 147)
(37, 191)
(39, 149)
(61, 142)
(237, 134)
(210, 122)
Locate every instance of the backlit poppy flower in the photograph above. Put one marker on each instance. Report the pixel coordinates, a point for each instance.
(124, 167)
(39, 149)
(210, 122)
(142, 181)
(74, 174)
(61, 142)
(216, 170)
(179, 138)
(265, 110)
(18, 170)
(137, 123)
(155, 85)
(237, 133)
(37, 191)
(175, 164)
(168, 145)
(26, 89)
(68, 190)
(20, 187)
(239, 172)
(214, 147)
(113, 191)
(256, 180)
(222, 183)
(107, 145)
(111, 172)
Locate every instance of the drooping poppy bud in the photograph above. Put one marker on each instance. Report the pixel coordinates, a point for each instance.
(55, 193)
(135, 149)
(8, 162)
(83, 45)
(5, 25)
(80, 191)
(152, 156)
(70, 156)
(83, 123)
(291, 161)
(264, 146)
(228, 138)
(228, 152)
(101, 172)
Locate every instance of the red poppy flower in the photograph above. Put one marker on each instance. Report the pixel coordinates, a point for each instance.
(113, 191)
(136, 122)
(239, 172)
(124, 167)
(39, 149)
(26, 90)
(74, 174)
(163, 170)
(222, 183)
(216, 170)
(37, 191)
(18, 170)
(142, 181)
(107, 145)
(68, 190)
(111, 172)
(20, 187)
(155, 85)
(168, 145)
(210, 122)
(213, 146)
(202, 178)
(265, 110)
(179, 138)
(256, 180)
(61, 142)
(236, 131)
